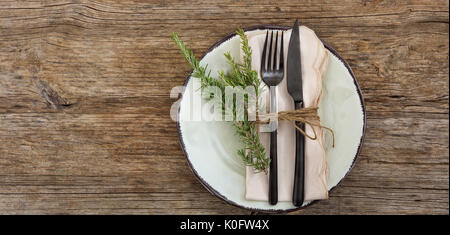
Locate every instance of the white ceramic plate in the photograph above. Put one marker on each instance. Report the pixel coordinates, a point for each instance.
(211, 147)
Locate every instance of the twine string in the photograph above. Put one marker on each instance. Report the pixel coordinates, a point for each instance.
(304, 115)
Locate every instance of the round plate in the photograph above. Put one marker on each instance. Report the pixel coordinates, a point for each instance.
(211, 147)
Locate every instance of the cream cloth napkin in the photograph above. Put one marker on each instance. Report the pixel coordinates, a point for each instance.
(314, 63)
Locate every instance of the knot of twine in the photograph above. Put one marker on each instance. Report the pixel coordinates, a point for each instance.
(304, 115)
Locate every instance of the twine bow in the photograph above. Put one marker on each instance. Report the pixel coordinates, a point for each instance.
(304, 115)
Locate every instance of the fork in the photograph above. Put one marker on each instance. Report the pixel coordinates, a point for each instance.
(272, 75)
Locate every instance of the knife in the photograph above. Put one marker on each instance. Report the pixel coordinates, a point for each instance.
(295, 89)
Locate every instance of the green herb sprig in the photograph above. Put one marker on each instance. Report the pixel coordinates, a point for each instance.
(241, 75)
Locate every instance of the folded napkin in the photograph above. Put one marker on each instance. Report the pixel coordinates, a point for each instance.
(314, 63)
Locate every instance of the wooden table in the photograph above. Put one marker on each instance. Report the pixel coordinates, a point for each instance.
(84, 102)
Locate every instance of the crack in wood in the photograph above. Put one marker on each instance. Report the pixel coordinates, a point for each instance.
(52, 98)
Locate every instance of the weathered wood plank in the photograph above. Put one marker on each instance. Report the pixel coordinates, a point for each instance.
(84, 102)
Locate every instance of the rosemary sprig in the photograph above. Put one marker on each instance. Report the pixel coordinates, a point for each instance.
(198, 71)
(241, 75)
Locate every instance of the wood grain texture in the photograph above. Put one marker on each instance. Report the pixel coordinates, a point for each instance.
(84, 102)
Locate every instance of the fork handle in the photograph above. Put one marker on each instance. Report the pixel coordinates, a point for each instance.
(273, 176)
(299, 175)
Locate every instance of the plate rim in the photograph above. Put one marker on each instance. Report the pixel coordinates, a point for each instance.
(211, 189)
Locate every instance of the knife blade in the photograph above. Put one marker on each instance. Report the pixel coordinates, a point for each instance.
(294, 68)
(295, 89)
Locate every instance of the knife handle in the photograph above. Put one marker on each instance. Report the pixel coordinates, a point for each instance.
(273, 175)
(299, 175)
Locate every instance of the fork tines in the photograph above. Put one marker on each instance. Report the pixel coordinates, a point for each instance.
(272, 63)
